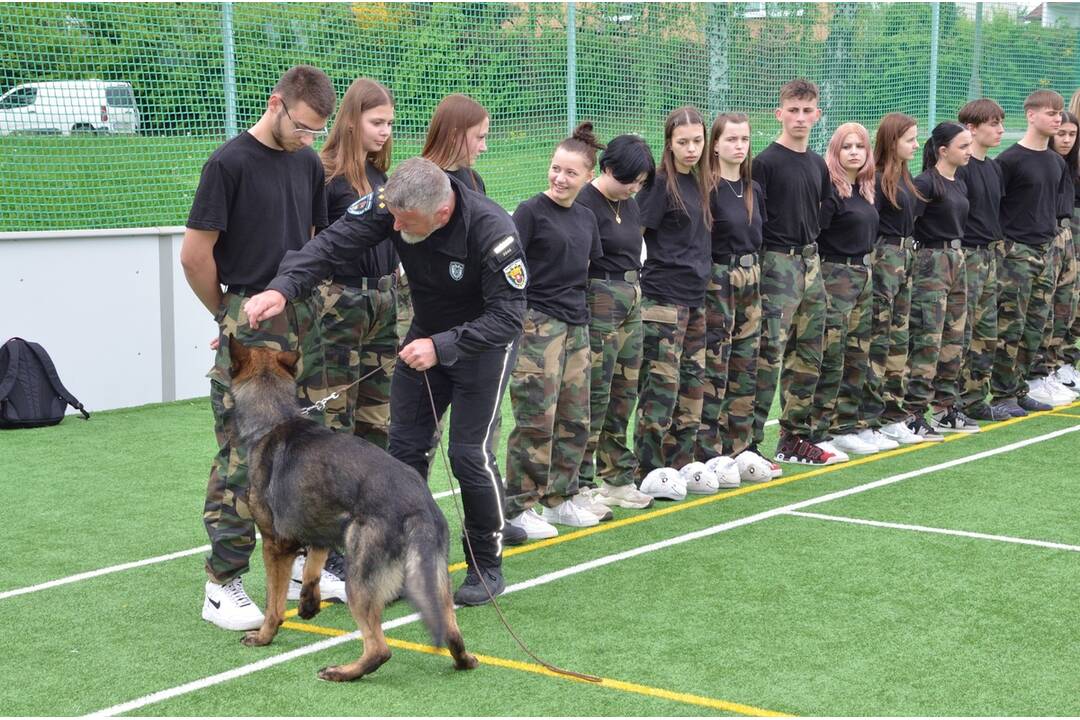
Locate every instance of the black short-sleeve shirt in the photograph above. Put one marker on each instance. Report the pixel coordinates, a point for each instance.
(849, 225)
(469, 178)
(795, 184)
(1066, 198)
(262, 201)
(946, 208)
(894, 221)
(677, 242)
(1031, 181)
(377, 261)
(621, 241)
(983, 180)
(559, 242)
(733, 233)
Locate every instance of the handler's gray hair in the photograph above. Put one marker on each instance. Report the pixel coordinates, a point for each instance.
(417, 184)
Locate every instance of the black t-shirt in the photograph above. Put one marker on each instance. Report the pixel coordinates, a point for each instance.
(1066, 199)
(983, 180)
(621, 241)
(1031, 181)
(849, 225)
(896, 221)
(377, 261)
(262, 201)
(677, 259)
(559, 242)
(469, 178)
(946, 209)
(795, 184)
(732, 232)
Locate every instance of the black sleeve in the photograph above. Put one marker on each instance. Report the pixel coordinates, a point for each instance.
(827, 189)
(504, 304)
(210, 208)
(759, 173)
(652, 202)
(597, 250)
(333, 250)
(759, 198)
(925, 186)
(523, 221)
(318, 198)
(829, 207)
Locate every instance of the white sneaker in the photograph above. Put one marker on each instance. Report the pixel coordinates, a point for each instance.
(229, 607)
(625, 496)
(755, 469)
(853, 444)
(899, 432)
(535, 527)
(664, 484)
(875, 438)
(331, 587)
(699, 479)
(569, 513)
(587, 499)
(838, 455)
(1068, 376)
(1059, 388)
(728, 473)
(1041, 391)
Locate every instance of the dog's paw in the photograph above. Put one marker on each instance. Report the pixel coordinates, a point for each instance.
(309, 607)
(467, 661)
(333, 674)
(254, 638)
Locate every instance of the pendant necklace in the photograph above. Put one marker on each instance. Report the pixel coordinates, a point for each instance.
(737, 194)
(615, 207)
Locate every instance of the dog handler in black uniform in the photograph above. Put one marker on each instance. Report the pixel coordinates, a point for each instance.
(468, 276)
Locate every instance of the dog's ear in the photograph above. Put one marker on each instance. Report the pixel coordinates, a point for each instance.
(288, 361)
(239, 355)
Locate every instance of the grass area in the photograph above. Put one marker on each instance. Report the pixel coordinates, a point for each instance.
(785, 613)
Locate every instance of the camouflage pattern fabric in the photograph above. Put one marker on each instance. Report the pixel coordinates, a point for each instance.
(938, 317)
(671, 385)
(226, 515)
(404, 305)
(1063, 271)
(980, 331)
(846, 351)
(615, 344)
(793, 308)
(1024, 290)
(549, 394)
(359, 334)
(732, 340)
(886, 381)
(1070, 351)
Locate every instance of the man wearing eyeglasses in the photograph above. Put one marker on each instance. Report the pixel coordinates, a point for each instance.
(260, 195)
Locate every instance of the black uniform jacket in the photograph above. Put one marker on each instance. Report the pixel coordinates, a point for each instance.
(467, 278)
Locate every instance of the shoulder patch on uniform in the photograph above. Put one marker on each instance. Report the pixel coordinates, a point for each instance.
(361, 206)
(505, 248)
(516, 275)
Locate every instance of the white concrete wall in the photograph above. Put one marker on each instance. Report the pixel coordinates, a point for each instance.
(113, 309)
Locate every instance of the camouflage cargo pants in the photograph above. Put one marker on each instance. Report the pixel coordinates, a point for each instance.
(846, 351)
(549, 394)
(404, 312)
(670, 385)
(980, 332)
(732, 340)
(886, 380)
(359, 334)
(1070, 351)
(793, 308)
(615, 345)
(1024, 293)
(938, 317)
(226, 515)
(1063, 271)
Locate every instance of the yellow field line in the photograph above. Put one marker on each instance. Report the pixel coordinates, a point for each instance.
(685, 698)
(688, 505)
(1074, 416)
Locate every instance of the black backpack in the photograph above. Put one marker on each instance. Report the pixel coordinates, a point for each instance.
(31, 394)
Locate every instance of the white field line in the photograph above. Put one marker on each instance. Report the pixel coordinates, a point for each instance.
(573, 570)
(939, 531)
(162, 558)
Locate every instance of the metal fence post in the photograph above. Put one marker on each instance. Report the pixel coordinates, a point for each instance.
(229, 58)
(935, 18)
(975, 83)
(571, 68)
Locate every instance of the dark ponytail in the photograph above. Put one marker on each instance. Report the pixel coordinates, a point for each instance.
(941, 136)
(584, 143)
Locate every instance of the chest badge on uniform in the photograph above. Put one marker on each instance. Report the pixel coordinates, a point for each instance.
(516, 275)
(361, 206)
(457, 270)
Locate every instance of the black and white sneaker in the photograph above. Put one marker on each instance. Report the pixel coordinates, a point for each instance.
(953, 421)
(920, 428)
(794, 449)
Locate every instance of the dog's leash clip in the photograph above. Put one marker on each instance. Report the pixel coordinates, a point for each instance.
(321, 404)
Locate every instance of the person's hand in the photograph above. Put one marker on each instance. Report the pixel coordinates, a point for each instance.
(215, 343)
(420, 354)
(263, 306)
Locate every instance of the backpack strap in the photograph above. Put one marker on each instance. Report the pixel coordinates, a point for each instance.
(8, 381)
(54, 378)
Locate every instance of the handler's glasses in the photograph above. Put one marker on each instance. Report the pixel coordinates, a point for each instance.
(299, 129)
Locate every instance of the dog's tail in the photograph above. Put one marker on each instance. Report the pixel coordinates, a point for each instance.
(427, 581)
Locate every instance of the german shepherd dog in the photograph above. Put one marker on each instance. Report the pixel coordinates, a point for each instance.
(309, 486)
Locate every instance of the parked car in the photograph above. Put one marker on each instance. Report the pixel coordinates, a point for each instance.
(69, 106)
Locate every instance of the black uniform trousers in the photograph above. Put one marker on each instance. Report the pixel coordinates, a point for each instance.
(474, 386)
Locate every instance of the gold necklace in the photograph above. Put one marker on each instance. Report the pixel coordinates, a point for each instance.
(615, 209)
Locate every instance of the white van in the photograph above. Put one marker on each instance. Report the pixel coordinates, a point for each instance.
(67, 106)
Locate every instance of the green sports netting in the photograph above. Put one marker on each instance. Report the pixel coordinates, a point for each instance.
(197, 73)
